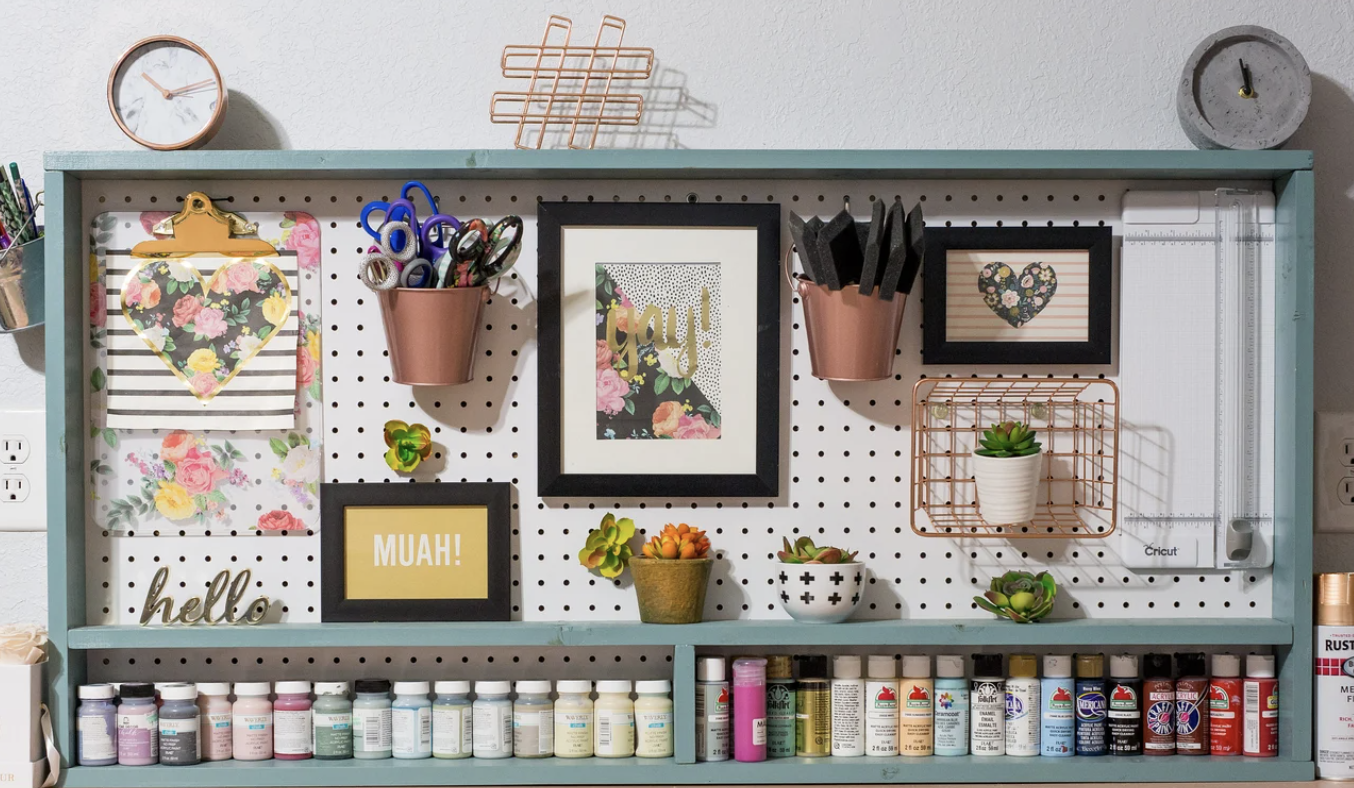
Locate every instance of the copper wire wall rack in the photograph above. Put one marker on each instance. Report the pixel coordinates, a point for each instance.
(1078, 424)
(571, 85)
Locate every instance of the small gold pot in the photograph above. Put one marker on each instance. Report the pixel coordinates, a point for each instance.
(671, 592)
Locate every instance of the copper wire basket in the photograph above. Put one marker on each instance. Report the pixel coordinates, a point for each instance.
(1078, 424)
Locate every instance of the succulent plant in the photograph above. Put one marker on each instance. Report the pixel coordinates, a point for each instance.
(677, 542)
(1020, 596)
(409, 445)
(1008, 439)
(608, 546)
(803, 551)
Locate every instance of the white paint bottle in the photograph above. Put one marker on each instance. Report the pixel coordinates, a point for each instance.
(1334, 651)
(848, 707)
(1022, 706)
(881, 706)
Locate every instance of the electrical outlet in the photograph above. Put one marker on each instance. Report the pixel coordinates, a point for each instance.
(23, 465)
(1333, 472)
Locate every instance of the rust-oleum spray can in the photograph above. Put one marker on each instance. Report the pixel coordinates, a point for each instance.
(1334, 678)
(1224, 705)
(1158, 705)
(1262, 707)
(1191, 704)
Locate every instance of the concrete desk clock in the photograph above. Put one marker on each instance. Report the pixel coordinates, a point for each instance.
(1244, 88)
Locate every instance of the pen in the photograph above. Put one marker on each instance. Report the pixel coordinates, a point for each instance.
(9, 210)
(29, 210)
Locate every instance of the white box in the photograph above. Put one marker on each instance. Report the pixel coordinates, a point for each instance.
(21, 774)
(20, 699)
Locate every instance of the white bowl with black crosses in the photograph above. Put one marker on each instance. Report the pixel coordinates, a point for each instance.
(820, 593)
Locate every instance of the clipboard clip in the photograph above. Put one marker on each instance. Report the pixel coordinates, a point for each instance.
(202, 228)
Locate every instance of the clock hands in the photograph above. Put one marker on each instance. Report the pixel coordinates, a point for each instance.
(1246, 91)
(156, 85)
(194, 86)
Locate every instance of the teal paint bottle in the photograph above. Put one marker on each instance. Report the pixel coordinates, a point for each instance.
(952, 706)
(1057, 719)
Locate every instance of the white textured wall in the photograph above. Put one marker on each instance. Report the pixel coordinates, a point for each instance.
(787, 74)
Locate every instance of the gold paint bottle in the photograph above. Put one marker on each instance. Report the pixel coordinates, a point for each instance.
(813, 708)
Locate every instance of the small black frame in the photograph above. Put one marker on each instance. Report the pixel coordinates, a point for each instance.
(1097, 241)
(494, 496)
(764, 481)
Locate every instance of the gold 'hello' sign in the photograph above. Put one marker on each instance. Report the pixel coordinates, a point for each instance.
(197, 610)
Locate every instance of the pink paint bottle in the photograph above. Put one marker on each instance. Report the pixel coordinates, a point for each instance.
(749, 709)
(293, 731)
(252, 721)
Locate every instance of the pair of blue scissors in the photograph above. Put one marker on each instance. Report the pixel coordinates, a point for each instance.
(424, 236)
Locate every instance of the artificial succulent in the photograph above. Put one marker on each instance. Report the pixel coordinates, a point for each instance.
(1008, 439)
(677, 542)
(408, 445)
(803, 551)
(608, 546)
(1020, 596)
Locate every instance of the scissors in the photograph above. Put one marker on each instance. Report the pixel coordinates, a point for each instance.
(386, 267)
(402, 210)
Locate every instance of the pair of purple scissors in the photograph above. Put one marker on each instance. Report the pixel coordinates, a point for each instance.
(428, 235)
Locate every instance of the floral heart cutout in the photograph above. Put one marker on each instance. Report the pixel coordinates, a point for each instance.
(206, 332)
(1017, 298)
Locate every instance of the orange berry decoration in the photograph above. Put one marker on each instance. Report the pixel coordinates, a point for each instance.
(678, 542)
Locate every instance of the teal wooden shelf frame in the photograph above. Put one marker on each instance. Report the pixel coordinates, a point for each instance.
(1288, 631)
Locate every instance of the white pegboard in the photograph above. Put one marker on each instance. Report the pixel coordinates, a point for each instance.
(845, 461)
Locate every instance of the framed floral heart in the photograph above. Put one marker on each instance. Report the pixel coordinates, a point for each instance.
(1018, 295)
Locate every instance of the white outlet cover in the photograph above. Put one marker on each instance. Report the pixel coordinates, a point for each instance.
(29, 514)
(1331, 467)
(1180, 543)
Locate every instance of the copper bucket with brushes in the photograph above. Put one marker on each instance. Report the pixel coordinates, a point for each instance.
(432, 333)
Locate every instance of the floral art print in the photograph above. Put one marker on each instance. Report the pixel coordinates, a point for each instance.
(1017, 298)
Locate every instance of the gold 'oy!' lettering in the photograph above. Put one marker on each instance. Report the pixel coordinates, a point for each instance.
(648, 327)
(195, 610)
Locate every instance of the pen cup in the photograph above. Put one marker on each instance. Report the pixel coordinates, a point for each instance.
(22, 279)
(851, 336)
(432, 333)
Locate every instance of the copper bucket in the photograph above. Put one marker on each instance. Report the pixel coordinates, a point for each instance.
(432, 333)
(851, 336)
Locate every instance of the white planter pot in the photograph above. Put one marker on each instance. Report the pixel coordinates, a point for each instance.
(820, 593)
(1007, 487)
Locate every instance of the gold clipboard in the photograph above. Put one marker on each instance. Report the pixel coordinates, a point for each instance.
(202, 228)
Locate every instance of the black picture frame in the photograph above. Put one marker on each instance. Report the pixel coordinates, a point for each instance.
(764, 480)
(1096, 241)
(335, 498)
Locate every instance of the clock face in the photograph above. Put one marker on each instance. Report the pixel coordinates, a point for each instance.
(1245, 88)
(166, 94)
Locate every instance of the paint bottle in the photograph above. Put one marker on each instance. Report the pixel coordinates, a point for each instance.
(1124, 722)
(987, 733)
(371, 719)
(848, 707)
(251, 721)
(881, 706)
(653, 717)
(916, 714)
(213, 703)
(1334, 652)
(813, 708)
(1091, 706)
(614, 729)
(1022, 706)
(749, 709)
(1225, 706)
(411, 720)
(491, 720)
(138, 725)
(1191, 704)
(453, 734)
(573, 719)
(1158, 706)
(533, 721)
(332, 716)
(712, 710)
(293, 723)
(952, 706)
(1261, 691)
(780, 706)
(1058, 717)
(180, 721)
(96, 726)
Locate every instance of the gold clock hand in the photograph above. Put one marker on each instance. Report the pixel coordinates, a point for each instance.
(155, 85)
(186, 88)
